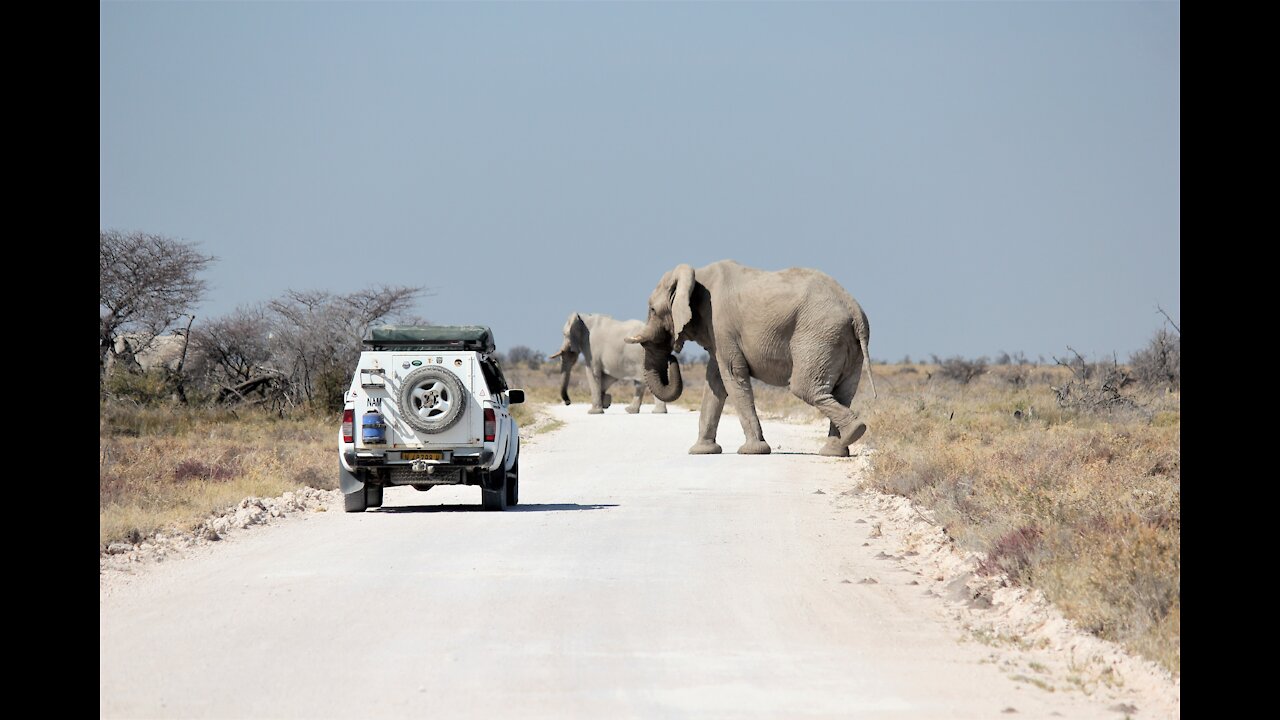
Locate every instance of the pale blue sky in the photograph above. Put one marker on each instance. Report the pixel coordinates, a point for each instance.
(980, 176)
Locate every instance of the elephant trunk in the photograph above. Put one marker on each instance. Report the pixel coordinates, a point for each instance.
(662, 375)
(567, 361)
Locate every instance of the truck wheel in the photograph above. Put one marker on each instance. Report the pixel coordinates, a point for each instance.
(513, 484)
(431, 399)
(373, 495)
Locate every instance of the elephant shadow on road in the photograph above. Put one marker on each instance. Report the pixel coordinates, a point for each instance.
(533, 507)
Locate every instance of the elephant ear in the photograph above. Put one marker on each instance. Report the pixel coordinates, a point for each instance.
(578, 333)
(681, 308)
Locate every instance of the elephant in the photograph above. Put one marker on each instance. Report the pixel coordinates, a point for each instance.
(144, 352)
(600, 341)
(795, 328)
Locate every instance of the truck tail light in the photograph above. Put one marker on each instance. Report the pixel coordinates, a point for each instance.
(348, 425)
(490, 424)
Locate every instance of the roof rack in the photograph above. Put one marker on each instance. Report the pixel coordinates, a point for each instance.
(430, 337)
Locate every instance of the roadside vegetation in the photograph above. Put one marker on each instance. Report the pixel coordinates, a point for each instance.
(163, 466)
(1065, 475)
(1077, 496)
(166, 465)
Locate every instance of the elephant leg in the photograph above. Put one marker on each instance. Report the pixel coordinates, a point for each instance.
(709, 416)
(659, 407)
(606, 382)
(596, 382)
(844, 428)
(744, 401)
(634, 407)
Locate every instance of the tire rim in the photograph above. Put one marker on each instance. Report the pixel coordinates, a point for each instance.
(431, 400)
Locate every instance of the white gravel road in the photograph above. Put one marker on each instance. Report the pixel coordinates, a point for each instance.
(634, 580)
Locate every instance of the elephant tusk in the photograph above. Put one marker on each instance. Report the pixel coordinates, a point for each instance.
(633, 339)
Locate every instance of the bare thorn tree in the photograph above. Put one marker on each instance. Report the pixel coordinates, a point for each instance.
(524, 355)
(1159, 364)
(1166, 317)
(316, 334)
(146, 282)
(235, 354)
(1094, 387)
(961, 370)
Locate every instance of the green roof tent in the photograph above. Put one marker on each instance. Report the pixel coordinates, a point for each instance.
(430, 337)
(442, 337)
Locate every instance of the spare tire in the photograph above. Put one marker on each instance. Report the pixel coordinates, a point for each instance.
(432, 399)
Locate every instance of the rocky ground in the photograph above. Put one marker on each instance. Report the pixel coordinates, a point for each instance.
(249, 512)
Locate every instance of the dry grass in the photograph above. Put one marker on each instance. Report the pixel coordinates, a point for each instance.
(162, 467)
(1085, 507)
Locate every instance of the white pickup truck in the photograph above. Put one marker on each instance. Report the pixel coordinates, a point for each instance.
(428, 406)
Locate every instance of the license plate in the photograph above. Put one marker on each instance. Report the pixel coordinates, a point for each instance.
(421, 456)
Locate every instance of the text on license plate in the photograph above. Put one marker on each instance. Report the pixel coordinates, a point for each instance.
(421, 456)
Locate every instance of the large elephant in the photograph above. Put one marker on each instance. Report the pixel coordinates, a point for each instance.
(794, 328)
(600, 340)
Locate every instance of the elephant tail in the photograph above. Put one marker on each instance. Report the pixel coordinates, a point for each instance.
(862, 329)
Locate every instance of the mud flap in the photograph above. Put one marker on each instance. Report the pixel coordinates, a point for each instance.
(348, 481)
(494, 479)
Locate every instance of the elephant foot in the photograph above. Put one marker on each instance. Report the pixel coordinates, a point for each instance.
(659, 409)
(595, 411)
(755, 447)
(633, 409)
(851, 435)
(608, 399)
(834, 448)
(705, 447)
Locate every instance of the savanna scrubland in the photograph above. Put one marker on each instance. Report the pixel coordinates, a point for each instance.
(1064, 475)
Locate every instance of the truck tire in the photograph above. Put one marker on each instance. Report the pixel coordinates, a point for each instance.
(432, 399)
(373, 495)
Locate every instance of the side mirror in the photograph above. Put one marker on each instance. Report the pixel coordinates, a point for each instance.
(515, 397)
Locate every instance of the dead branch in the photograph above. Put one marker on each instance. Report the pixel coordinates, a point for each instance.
(1166, 317)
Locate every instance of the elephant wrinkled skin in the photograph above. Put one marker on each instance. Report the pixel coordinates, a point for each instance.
(601, 340)
(795, 328)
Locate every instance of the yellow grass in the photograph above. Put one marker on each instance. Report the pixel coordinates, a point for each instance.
(166, 467)
(1086, 507)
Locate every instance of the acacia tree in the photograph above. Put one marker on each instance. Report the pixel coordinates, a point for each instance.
(234, 353)
(1159, 364)
(146, 282)
(315, 337)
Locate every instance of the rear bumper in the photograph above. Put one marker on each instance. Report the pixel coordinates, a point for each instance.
(452, 459)
(456, 469)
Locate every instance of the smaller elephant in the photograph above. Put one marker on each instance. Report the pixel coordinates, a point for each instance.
(600, 340)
